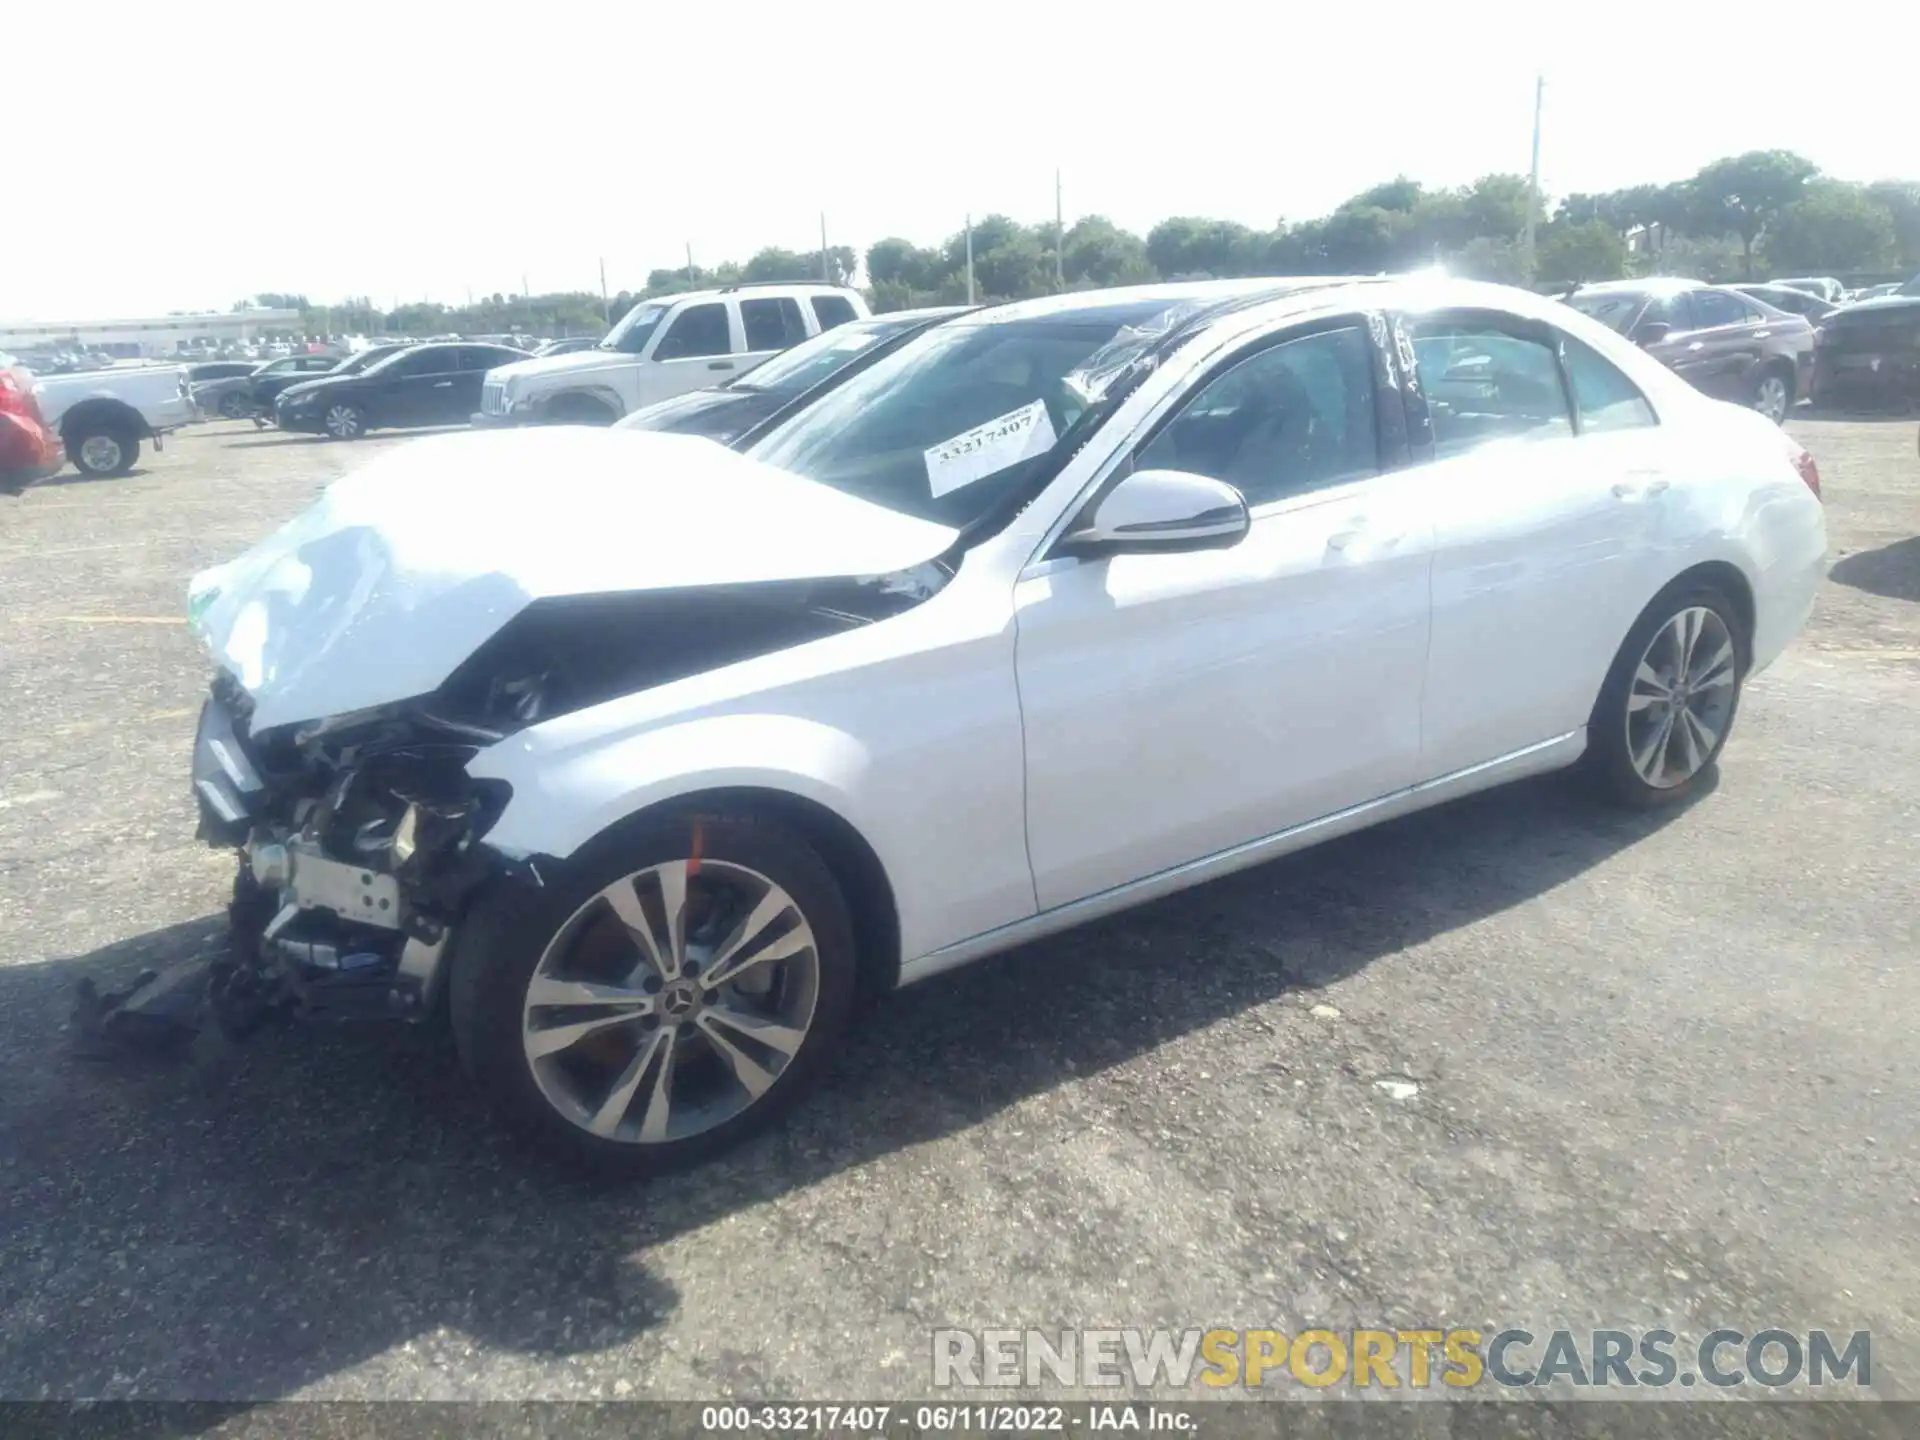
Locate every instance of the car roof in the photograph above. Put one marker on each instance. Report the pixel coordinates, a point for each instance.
(746, 288)
(1129, 304)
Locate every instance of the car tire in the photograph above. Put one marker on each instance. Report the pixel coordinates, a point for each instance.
(344, 420)
(103, 448)
(1773, 393)
(235, 407)
(539, 970)
(1652, 742)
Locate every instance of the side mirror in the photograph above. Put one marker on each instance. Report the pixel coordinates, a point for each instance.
(1651, 332)
(1163, 511)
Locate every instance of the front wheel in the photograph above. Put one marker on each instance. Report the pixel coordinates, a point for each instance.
(1667, 705)
(345, 421)
(669, 991)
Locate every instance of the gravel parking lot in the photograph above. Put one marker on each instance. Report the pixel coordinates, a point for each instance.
(1640, 1072)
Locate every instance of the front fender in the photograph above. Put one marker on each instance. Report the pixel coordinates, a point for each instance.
(564, 796)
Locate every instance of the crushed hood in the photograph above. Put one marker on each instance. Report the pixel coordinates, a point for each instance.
(400, 570)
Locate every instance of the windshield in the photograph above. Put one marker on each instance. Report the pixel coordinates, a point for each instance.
(372, 355)
(636, 327)
(967, 414)
(812, 361)
(1614, 310)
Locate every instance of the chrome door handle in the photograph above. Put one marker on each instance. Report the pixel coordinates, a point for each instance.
(720, 365)
(1698, 345)
(443, 384)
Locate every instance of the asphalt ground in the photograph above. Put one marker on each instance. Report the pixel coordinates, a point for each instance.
(1639, 1072)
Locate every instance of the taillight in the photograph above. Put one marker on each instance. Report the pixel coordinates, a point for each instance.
(1802, 459)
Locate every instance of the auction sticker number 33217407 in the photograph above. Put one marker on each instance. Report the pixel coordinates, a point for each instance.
(990, 448)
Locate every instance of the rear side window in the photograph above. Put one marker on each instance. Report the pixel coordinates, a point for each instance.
(696, 330)
(1605, 398)
(773, 324)
(1483, 384)
(1296, 416)
(1717, 307)
(832, 310)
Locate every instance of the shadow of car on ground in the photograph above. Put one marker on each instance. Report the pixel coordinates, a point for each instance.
(340, 1193)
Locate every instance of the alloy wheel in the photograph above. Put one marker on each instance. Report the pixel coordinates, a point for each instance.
(343, 422)
(100, 453)
(1771, 398)
(671, 1001)
(1681, 699)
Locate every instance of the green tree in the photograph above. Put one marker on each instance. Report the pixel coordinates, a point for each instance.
(1902, 201)
(1098, 252)
(1832, 228)
(897, 262)
(1591, 250)
(1746, 193)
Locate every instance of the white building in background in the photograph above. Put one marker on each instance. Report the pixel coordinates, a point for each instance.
(160, 336)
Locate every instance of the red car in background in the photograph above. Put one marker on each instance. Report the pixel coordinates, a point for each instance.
(29, 451)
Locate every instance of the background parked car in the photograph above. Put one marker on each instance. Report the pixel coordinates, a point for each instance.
(416, 385)
(1794, 302)
(1825, 286)
(732, 412)
(1721, 342)
(572, 345)
(103, 415)
(222, 387)
(276, 375)
(666, 347)
(29, 448)
(1869, 354)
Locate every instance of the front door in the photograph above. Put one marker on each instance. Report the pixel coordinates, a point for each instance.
(1177, 705)
(696, 349)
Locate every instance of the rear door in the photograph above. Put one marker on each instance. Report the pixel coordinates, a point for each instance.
(699, 345)
(769, 324)
(1543, 468)
(463, 397)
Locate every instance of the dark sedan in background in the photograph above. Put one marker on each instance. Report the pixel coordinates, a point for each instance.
(276, 375)
(728, 412)
(1869, 354)
(412, 385)
(1723, 343)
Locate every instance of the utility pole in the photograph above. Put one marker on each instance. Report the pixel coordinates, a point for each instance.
(1059, 237)
(606, 305)
(969, 259)
(690, 279)
(826, 276)
(1533, 176)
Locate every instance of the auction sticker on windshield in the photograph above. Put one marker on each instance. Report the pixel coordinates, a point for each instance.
(990, 448)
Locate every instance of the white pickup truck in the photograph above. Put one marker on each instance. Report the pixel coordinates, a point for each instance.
(103, 415)
(664, 347)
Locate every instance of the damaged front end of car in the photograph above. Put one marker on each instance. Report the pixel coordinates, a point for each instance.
(435, 604)
(358, 849)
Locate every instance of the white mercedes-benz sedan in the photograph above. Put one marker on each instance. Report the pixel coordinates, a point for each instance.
(639, 758)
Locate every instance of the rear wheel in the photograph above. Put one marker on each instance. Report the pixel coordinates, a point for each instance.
(235, 407)
(103, 449)
(1668, 703)
(1773, 394)
(669, 991)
